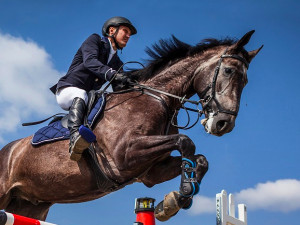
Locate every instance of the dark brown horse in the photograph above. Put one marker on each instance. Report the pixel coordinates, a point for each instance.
(132, 145)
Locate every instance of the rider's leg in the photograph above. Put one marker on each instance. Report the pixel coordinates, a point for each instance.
(76, 116)
(66, 95)
(74, 100)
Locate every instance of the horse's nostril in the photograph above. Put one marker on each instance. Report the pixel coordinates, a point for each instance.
(221, 125)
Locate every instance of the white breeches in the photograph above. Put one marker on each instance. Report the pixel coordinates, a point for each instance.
(65, 96)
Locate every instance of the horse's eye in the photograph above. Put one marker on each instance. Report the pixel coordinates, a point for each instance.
(229, 71)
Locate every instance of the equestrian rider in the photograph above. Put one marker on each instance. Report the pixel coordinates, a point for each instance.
(95, 63)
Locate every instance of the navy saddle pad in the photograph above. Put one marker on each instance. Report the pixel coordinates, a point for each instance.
(55, 131)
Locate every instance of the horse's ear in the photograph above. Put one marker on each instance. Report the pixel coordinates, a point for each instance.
(253, 53)
(244, 40)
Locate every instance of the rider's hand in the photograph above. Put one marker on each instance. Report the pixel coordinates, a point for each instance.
(122, 78)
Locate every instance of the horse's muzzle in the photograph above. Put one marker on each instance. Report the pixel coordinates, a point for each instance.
(219, 124)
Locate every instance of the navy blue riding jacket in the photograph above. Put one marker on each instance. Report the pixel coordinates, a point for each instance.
(89, 69)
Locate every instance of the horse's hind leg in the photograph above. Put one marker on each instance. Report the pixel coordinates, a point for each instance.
(5, 185)
(25, 208)
(4, 198)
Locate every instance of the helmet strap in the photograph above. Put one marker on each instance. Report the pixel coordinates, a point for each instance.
(114, 38)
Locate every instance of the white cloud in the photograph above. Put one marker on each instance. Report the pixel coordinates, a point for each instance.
(278, 196)
(202, 204)
(281, 195)
(26, 73)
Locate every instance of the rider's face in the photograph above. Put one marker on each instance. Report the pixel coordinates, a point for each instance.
(122, 36)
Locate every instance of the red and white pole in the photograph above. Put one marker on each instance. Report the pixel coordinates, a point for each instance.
(144, 209)
(13, 219)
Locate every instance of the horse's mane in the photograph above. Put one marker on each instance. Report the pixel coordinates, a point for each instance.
(168, 51)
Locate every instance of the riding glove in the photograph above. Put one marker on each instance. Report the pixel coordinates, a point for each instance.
(122, 78)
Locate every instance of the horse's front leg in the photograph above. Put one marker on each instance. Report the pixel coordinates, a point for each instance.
(168, 169)
(191, 178)
(171, 167)
(162, 171)
(144, 149)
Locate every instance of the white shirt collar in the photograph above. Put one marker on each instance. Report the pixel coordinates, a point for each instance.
(112, 51)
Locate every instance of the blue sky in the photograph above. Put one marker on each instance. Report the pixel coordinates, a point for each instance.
(258, 161)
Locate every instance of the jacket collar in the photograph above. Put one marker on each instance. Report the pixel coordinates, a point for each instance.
(106, 43)
(107, 48)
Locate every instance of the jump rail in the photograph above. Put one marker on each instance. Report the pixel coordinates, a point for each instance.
(144, 207)
(12, 219)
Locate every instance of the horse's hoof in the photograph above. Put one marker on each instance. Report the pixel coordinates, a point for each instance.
(168, 207)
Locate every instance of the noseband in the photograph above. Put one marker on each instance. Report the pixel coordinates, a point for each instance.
(212, 97)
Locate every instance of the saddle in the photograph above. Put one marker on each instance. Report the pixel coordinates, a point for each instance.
(58, 130)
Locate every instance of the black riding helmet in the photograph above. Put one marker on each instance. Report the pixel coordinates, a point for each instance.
(116, 22)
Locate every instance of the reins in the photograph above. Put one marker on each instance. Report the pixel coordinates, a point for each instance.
(182, 101)
(135, 86)
(121, 67)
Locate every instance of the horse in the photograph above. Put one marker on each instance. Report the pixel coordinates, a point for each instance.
(134, 138)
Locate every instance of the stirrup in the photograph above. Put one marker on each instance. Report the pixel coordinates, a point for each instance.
(84, 137)
(77, 147)
(74, 156)
(189, 185)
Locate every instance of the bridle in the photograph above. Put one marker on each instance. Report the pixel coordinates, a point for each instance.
(204, 100)
(212, 97)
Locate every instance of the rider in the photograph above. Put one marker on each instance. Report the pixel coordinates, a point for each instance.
(95, 63)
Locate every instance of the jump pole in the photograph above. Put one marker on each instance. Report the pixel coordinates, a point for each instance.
(12, 219)
(144, 210)
(226, 210)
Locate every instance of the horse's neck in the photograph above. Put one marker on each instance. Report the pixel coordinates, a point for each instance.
(175, 79)
(178, 78)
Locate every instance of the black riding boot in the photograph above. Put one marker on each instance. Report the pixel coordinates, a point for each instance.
(76, 116)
